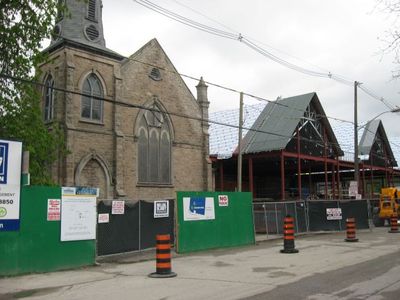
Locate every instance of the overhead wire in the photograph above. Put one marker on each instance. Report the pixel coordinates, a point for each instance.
(176, 114)
(248, 42)
(211, 121)
(138, 106)
(184, 20)
(258, 98)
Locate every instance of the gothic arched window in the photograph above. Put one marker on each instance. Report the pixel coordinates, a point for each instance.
(92, 106)
(154, 147)
(49, 99)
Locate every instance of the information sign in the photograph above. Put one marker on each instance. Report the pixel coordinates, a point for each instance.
(10, 184)
(198, 208)
(118, 207)
(333, 213)
(161, 209)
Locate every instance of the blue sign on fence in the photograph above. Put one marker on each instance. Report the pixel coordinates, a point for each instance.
(3, 162)
(198, 205)
(198, 208)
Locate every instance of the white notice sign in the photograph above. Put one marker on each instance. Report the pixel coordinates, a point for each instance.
(333, 213)
(78, 218)
(161, 209)
(118, 207)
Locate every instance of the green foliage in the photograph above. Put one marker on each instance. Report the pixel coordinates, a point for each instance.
(23, 26)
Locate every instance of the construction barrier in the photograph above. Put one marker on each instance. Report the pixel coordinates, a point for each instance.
(163, 257)
(288, 235)
(393, 224)
(208, 220)
(351, 230)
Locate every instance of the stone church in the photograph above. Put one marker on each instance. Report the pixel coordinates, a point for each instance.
(131, 125)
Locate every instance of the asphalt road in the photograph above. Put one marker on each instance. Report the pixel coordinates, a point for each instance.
(326, 267)
(374, 279)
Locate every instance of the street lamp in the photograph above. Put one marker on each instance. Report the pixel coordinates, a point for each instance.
(396, 110)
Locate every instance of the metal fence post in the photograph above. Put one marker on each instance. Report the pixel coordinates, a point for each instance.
(306, 215)
(276, 220)
(265, 219)
(340, 221)
(295, 215)
(369, 211)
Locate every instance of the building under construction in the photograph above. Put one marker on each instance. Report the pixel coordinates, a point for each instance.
(291, 150)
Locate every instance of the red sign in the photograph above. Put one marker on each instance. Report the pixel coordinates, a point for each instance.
(53, 210)
(223, 200)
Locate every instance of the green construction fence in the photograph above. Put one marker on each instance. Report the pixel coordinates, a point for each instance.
(36, 246)
(232, 225)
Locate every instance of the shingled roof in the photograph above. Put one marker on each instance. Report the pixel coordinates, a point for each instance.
(275, 126)
(373, 130)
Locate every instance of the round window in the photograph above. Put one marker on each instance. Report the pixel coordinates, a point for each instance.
(92, 33)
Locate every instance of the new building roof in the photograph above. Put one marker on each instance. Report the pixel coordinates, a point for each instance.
(224, 139)
(275, 125)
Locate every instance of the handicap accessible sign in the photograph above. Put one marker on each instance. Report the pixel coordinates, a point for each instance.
(198, 208)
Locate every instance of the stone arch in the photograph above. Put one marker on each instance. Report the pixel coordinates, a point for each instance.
(98, 74)
(154, 147)
(148, 103)
(92, 170)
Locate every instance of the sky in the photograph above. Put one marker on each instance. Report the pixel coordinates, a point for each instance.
(343, 37)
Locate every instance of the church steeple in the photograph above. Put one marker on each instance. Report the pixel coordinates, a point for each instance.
(82, 23)
(81, 27)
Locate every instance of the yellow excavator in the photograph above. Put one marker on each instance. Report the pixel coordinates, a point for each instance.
(389, 204)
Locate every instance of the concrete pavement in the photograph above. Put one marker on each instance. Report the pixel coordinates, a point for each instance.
(218, 274)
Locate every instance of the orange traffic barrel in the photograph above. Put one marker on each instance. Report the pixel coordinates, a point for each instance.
(351, 230)
(288, 235)
(163, 257)
(394, 228)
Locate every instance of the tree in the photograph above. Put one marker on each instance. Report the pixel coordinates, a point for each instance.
(392, 38)
(23, 26)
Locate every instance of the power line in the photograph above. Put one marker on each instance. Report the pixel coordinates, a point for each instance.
(247, 41)
(258, 98)
(154, 110)
(131, 105)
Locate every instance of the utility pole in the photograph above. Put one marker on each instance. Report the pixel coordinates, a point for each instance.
(239, 169)
(356, 136)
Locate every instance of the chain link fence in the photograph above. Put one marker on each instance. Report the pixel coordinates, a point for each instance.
(310, 215)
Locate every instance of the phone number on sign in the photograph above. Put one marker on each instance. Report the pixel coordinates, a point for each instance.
(6, 201)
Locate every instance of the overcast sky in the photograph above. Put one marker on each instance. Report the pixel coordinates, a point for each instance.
(343, 37)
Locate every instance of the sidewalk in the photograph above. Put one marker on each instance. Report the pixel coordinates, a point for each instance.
(231, 273)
